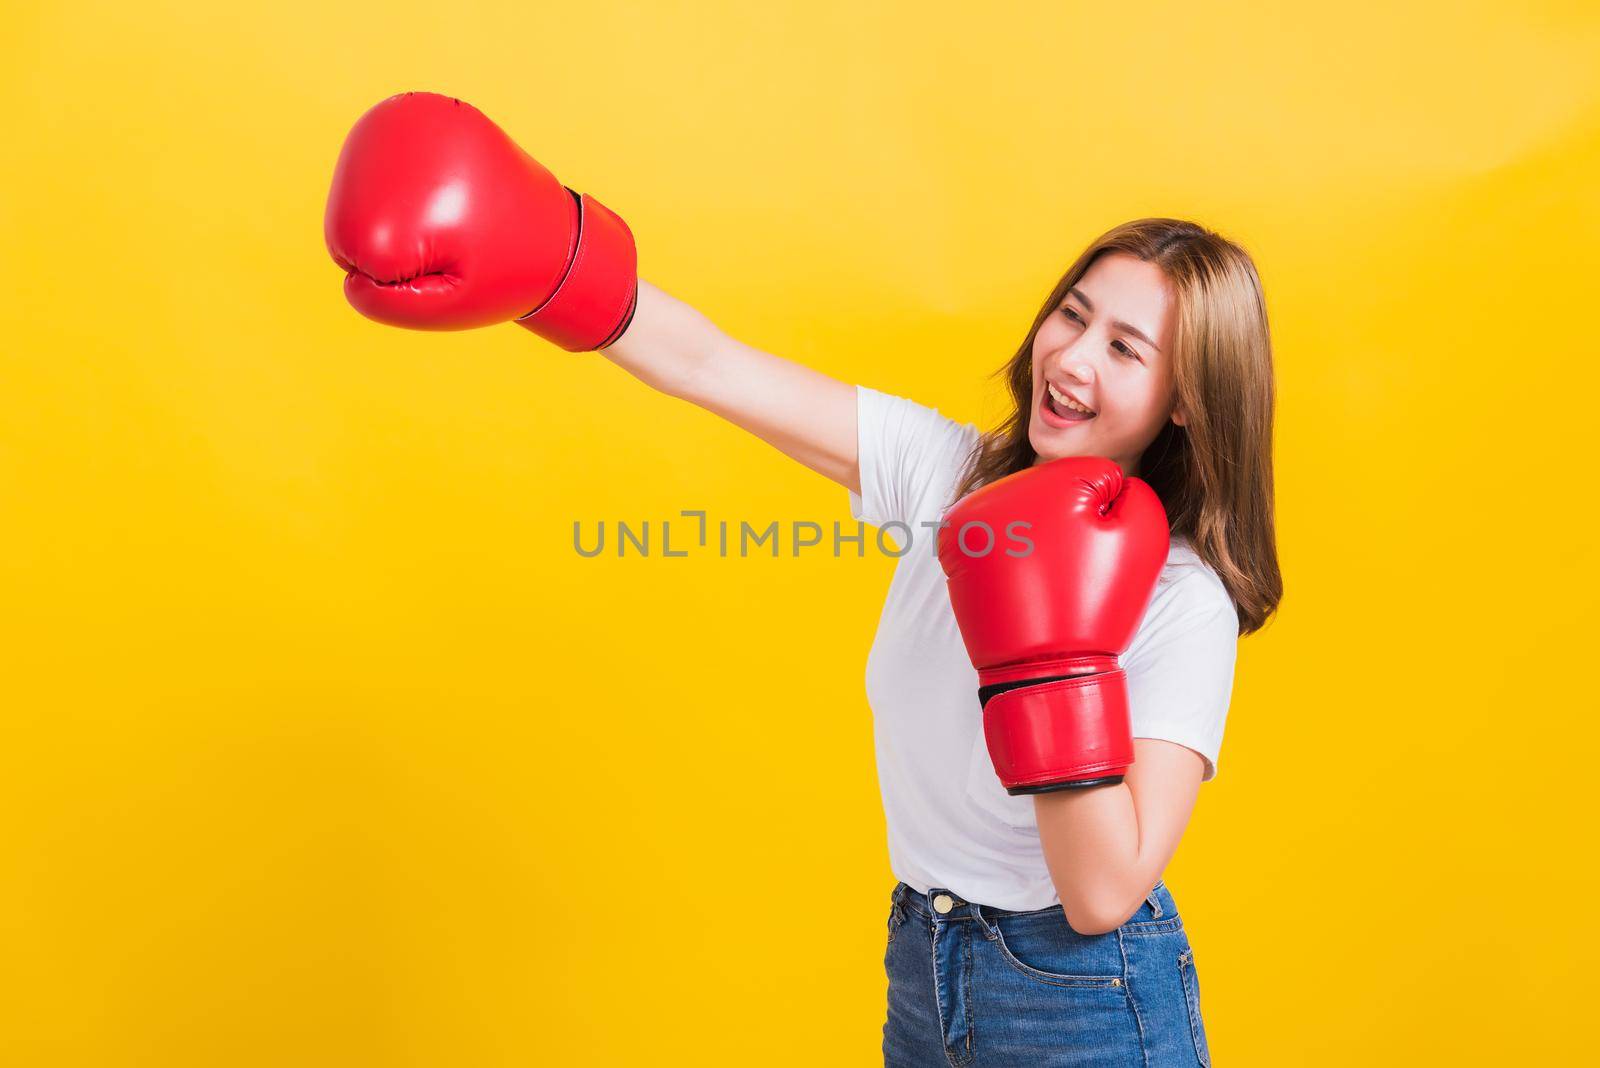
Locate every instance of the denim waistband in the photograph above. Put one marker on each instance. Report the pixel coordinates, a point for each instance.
(1157, 905)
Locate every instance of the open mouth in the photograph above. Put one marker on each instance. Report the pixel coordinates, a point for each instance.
(1059, 410)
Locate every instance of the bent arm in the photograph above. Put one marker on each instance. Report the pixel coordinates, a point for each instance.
(803, 413)
(1107, 846)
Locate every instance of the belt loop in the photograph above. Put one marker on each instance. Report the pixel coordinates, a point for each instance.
(1155, 903)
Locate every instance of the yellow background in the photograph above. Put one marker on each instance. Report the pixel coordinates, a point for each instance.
(321, 745)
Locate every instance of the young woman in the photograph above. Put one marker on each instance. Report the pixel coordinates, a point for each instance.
(1025, 929)
(1037, 929)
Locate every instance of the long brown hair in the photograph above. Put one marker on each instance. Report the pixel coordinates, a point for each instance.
(1213, 474)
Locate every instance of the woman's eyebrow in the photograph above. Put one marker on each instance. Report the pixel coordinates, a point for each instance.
(1118, 324)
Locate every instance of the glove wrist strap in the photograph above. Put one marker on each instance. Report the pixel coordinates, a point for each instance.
(1057, 729)
(593, 305)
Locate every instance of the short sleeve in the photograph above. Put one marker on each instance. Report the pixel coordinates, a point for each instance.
(1180, 668)
(910, 456)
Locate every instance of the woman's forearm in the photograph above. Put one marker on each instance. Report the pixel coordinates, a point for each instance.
(667, 342)
(809, 416)
(1107, 846)
(1091, 846)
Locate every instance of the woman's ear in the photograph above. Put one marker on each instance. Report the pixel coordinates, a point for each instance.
(1178, 416)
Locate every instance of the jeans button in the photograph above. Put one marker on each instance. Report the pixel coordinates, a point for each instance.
(942, 903)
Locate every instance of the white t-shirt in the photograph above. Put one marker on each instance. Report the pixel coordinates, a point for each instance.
(951, 823)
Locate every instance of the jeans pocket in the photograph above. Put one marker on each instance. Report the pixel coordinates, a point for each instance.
(1191, 995)
(1047, 950)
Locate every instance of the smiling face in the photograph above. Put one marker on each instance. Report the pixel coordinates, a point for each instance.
(1107, 348)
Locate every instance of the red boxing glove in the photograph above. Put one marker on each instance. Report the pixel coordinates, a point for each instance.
(442, 223)
(1044, 623)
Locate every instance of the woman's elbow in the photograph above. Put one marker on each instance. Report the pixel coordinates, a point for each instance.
(1098, 918)
(1089, 926)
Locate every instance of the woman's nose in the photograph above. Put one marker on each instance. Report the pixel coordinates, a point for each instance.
(1076, 360)
(1074, 365)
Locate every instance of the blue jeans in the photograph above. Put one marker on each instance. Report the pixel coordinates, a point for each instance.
(975, 985)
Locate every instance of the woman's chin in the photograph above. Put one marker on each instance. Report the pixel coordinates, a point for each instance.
(1047, 445)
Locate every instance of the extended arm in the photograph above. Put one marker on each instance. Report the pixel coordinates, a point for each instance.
(440, 222)
(803, 413)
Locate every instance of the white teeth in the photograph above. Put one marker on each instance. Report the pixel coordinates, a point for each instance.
(1066, 401)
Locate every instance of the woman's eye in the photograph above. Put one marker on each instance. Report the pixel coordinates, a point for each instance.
(1119, 346)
